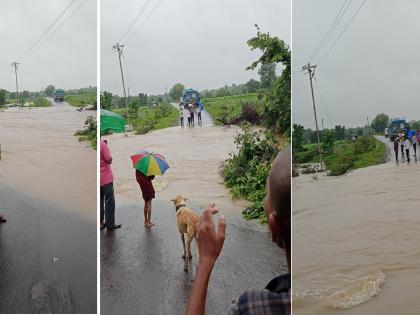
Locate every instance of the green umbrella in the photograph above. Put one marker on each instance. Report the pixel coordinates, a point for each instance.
(111, 121)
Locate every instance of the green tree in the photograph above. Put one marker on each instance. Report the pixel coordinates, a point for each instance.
(297, 139)
(277, 98)
(252, 86)
(133, 108)
(379, 122)
(142, 99)
(106, 100)
(3, 95)
(327, 141)
(49, 90)
(176, 91)
(267, 74)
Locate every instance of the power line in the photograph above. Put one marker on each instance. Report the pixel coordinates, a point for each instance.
(341, 34)
(142, 10)
(332, 28)
(146, 19)
(46, 31)
(64, 22)
(322, 100)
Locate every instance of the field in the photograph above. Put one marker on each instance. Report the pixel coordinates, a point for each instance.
(346, 155)
(81, 100)
(152, 118)
(230, 107)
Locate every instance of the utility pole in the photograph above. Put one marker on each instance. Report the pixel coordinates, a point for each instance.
(311, 72)
(15, 65)
(367, 119)
(322, 123)
(119, 48)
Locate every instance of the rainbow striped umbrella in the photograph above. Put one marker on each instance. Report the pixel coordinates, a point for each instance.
(149, 163)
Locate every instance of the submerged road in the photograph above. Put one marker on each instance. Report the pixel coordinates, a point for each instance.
(142, 270)
(47, 257)
(58, 104)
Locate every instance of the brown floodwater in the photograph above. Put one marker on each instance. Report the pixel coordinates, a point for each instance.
(356, 241)
(42, 157)
(194, 156)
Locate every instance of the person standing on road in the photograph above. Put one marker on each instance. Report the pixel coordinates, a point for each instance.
(401, 140)
(181, 118)
(148, 193)
(414, 140)
(191, 110)
(107, 207)
(275, 298)
(2, 218)
(407, 148)
(396, 149)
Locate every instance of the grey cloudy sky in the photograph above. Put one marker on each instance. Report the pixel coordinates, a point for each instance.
(67, 59)
(201, 44)
(372, 69)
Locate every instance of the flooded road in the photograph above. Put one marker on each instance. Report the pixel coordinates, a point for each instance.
(47, 257)
(48, 194)
(41, 155)
(356, 241)
(144, 269)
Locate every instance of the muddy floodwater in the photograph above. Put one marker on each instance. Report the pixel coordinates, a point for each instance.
(143, 269)
(356, 241)
(41, 156)
(48, 194)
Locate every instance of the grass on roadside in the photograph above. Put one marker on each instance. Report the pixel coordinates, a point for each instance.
(41, 102)
(81, 100)
(230, 107)
(152, 117)
(346, 155)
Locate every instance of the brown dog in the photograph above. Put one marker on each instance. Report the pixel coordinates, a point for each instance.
(186, 220)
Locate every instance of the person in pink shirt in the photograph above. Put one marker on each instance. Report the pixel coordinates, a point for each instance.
(107, 189)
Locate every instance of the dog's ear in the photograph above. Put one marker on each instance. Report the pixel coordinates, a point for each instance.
(185, 198)
(173, 200)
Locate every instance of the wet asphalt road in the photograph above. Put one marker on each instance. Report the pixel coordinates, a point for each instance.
(58, 104)
(142, 270)
(36, 232)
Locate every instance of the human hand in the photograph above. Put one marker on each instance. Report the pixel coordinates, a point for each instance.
(209, 241)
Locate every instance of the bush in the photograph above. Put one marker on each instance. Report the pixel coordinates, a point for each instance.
(89, 133)
(246, 172)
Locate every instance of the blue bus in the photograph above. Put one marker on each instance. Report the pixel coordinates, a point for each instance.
(396, 126)
(58, 95)
(188, 95)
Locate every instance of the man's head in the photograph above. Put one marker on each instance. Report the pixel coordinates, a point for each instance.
(277, 203)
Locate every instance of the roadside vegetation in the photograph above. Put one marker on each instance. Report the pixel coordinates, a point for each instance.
(81, 100)
(40, 102)
(89, 132)
(245, 173)
(342, 150)
(233, 110)
(145, 118)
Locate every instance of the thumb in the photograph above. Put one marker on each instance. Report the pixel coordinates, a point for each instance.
(221, 231)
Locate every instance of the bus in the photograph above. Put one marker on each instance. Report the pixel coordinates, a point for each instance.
(188, 95)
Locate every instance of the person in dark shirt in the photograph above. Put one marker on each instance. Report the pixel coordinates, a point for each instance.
(148, 193)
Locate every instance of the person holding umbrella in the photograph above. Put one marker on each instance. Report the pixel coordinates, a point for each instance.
(147, 165)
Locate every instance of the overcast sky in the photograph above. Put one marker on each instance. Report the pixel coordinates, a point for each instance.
(373, 68)
(67, 59)
(201, 44)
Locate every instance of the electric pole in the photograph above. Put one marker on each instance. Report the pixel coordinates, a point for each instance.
(119, 48)
(15, 65)
(367, 119)
(311, 72)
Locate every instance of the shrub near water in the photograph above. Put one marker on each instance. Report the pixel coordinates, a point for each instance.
(89, 133)
(246, 172)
